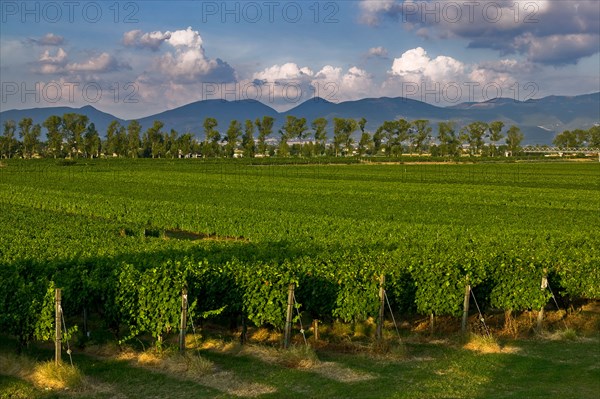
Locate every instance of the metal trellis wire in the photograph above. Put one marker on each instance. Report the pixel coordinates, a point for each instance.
(64, 325)
(481, 318)
(300, 320)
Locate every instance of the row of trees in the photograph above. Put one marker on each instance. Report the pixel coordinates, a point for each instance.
(72, 135)
(579, 138)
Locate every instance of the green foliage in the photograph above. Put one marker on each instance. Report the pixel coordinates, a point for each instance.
(514, 137)
(357, 297)
(73, 135)
(150, 300)
(517, 282)
(439, 288)
(578, 270)
(26, 303)
(265, 288)
(332, 230)
(358, 294)
(159, 299)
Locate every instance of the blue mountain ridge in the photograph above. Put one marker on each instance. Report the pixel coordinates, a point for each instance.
(539, 119)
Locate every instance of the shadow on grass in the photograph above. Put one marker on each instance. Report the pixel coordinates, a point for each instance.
(540, 369)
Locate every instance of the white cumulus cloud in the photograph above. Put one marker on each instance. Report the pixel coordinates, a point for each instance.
(445, 80)
(58, 58)
(415, 65)
(150, 40)
(51, 63)
(329, 73)
(285, 71)
(180, 71)
(289, 84)
(57, 63)
(184, 61)
(185, 38)
(101, 63)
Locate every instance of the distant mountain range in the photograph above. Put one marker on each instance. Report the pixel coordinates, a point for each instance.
(539, 119)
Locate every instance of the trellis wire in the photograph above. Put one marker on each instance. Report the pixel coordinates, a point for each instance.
(300, 320)
(62, 315)
(392, 313)
(193, 328)
(481, 319)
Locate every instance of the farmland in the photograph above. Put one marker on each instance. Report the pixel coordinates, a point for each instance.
(122, 238)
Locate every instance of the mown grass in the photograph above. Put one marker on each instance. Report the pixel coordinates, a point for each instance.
(533, 368)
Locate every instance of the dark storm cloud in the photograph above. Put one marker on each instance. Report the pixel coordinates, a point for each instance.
(554, 32)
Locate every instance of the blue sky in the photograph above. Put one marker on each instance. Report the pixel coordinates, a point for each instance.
(133, 59)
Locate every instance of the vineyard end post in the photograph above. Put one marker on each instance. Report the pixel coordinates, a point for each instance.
(465, 316)
(57, 327)
(379, 332)
(431, 323)
(183, 326)
(540, 316)
(288, 318)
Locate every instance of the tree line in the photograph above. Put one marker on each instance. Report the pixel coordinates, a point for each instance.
(74, 135)
(578, 138)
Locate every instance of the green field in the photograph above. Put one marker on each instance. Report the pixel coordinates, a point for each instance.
(123, 237)
(345, 205)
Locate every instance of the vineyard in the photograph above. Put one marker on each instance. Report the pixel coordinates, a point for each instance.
(123, 238)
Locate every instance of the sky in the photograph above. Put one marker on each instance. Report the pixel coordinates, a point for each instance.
(137, 58)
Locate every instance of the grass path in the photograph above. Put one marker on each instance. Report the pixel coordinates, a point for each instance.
(438, 369)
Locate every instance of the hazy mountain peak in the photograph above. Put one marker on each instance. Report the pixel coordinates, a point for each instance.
(559, 112)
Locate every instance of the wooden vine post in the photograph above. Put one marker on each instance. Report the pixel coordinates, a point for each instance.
(57, 327)
(289, 316)
(316, 329)
(431, 323)
(465, 316)
(379, 331)
(183, 325)
(540, 316)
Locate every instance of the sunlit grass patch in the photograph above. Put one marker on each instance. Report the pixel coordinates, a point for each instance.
(61, 376)
(44, 375)
(220, 345)
(483, 344)
(191, 366)
(180, 365)
(487, 344)
(265, 335)
(306, 359)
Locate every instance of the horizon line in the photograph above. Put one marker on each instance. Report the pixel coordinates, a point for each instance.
(315, 99)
